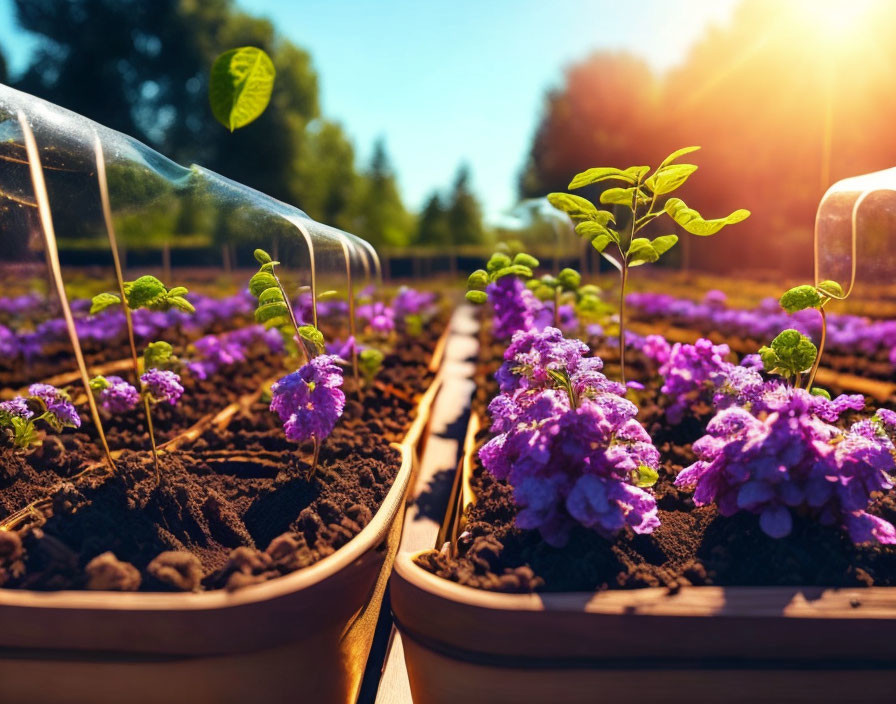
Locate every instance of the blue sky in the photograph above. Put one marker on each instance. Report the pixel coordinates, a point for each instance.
(447, 82)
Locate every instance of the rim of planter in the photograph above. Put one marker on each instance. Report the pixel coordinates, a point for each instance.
(220, 599)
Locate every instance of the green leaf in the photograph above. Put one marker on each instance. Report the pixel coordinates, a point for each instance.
(694, 223)
(261, 256)
(177, 291)
(600, 242)
(790, 353)
(818, 391)
(669, 178)
(157, 355)
(261, 282)
(800, 298)
(270, 295)
(478, 279)
(569, 279)
(664, 243)
(831, 289)
(623, 196)
(576, 207)
(102, 301)
(526, 260)
(497, 261)
(312, 335)
(99, 383)
(240, 86)
(24, 434)
(267, 312)
(180, 303)
(678, 153)
(477, 297)
(641, 252)
(145, 292)
(513, 270)
(647, 476)
(591, 229)
(633, 174)
(370, 361)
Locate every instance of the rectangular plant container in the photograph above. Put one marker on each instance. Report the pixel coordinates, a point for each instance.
(303, 637)
(697, 644)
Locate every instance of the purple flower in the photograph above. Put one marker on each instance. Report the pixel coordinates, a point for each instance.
(657, 349)
(752, 361)
(692, 373)
(788, 458)
(119, 396)
(514, 306)
(310, 401)
(343, 349)
(533, 355)
(58, 404)
(17, 406)
(215, 352)
(379, 316)
(409, 301)
(162, 386)
(9, 344)
(715, 298)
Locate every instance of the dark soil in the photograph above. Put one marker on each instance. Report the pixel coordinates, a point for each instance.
(235, 506)
(693, 546)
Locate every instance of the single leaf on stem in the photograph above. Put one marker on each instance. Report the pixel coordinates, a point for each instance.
(240, 86)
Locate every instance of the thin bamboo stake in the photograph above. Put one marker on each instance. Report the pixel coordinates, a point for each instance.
(352, 328)
(46, 221)
(119, 275)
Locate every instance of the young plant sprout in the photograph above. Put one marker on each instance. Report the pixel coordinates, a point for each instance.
(19, 416)
(805, 297)
(642, 197)
(370, 362)
(158, 382)
(310, 400)
(502, 284)
(790, 355)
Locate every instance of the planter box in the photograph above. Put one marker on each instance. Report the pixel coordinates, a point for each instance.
(699, 644)
(301, 637)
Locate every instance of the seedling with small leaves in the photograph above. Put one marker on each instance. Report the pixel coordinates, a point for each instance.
(499, 265)
(44, 403)
(805, 297)
(791, 354)
(370, 362)
(644, 196)
(146, 292)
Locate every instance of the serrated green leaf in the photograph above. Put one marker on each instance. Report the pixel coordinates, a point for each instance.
(800, 298)
(240, 86)
(266, 312)
(261, 256)
(600, 242)
(145, 292)
(669, 178)
(526, 260)
(261, 282)
(576, 207)
(623, 196)
(632, 174)
(102, 301)
(694, 223)
(477, 297)
(313, 336)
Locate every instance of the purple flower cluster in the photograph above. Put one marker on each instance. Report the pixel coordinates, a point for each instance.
(409, 301)
(119, 396)
(567, 441)
(162, 386)
(17, 406)
(845, 333)
(692, 373)
(310, 401)
(784, 455)
(514, 307)
(59, 405)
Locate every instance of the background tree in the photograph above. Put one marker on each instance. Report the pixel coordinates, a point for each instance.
(433, 229)
(381, 216)
(464, 216)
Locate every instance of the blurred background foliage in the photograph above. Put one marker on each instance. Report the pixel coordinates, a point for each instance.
(781, 105)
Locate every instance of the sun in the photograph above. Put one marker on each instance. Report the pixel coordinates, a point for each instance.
(835, 19)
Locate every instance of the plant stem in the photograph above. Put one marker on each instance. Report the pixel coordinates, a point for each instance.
(824, 334)
(623, 279)
(556, 306)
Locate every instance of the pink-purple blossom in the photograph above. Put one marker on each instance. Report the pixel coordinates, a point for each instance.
(514, 307)
(119, 396)
(59, 405)
(162, 386)
(310, 401)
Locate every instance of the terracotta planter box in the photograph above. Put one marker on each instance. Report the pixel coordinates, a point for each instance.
(700, 644)
(301, 637)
